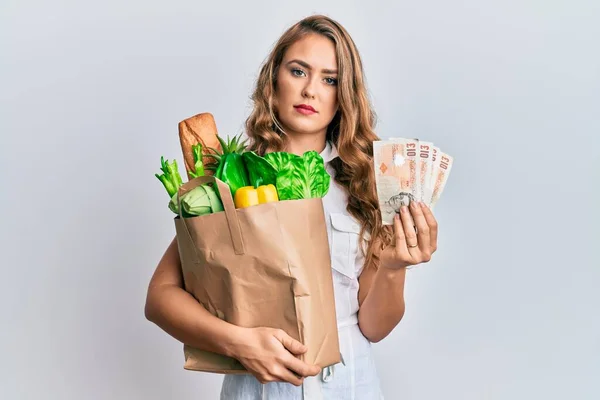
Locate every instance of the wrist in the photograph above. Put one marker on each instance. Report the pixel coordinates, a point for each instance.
(233, 340)
(391, 271)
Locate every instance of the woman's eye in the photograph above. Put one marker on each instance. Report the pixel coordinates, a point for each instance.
(299, 72)
(294, 70)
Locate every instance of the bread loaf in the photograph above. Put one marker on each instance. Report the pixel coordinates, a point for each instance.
(200, 128)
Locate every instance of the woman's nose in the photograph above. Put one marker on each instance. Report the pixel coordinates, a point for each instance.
(309, 90)
(308, 93)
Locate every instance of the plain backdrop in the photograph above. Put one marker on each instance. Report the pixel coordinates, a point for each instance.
(91, 94)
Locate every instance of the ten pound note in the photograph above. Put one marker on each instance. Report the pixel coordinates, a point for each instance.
(408, 170)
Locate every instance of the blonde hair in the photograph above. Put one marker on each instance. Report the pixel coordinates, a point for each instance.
(351, 129)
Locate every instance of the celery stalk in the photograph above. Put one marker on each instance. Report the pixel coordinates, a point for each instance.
(170, 177)
(198, 165)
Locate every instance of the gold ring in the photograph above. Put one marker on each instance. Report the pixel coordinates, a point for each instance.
(414, 245)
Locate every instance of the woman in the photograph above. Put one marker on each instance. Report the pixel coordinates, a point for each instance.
(310, 95)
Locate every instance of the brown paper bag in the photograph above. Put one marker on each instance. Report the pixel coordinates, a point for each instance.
(265, 265)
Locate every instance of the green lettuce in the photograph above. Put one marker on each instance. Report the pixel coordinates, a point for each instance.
(299, 177)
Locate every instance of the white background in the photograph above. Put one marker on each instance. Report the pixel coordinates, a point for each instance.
(91, 94)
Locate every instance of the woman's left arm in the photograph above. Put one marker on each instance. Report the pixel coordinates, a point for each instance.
(381, 290)
(381, 299)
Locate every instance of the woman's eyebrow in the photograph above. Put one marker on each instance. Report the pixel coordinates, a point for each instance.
(305, 65)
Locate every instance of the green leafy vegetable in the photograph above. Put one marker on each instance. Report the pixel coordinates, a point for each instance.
(260, 171)
(280, 160)
(299, 177)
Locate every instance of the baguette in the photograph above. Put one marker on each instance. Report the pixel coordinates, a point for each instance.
(200, 128)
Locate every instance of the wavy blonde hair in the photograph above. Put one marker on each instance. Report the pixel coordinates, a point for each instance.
(351, 129)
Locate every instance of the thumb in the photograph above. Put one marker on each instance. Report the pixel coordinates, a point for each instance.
(293, 346)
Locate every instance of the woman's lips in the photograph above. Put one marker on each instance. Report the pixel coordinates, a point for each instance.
(304, 111)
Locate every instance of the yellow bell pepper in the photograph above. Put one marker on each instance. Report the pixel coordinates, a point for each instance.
(248, 196)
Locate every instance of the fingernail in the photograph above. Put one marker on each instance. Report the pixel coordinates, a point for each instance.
(404, 209)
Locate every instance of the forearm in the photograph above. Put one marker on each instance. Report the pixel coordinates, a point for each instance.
(383, 307)
(179, 314)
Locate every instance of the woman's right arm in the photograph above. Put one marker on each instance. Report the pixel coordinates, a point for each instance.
(266, 352)
(179, 314)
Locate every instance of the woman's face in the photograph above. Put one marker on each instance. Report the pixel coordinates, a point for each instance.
(307, 76)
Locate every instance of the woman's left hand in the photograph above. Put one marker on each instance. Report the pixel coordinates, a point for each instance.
(410, 247)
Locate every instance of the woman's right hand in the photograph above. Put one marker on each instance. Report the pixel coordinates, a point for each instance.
(269, 354)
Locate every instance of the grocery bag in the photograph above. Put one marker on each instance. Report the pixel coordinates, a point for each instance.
(266, 265)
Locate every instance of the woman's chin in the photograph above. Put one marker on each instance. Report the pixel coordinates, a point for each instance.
(303, 127)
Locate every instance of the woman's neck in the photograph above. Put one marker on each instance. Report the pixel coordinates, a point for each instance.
(300, 144)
